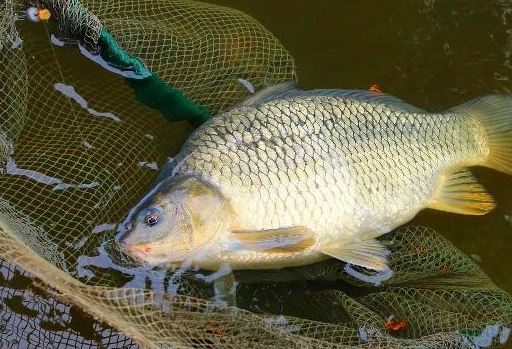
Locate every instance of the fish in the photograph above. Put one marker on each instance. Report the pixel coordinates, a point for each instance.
(291, 177)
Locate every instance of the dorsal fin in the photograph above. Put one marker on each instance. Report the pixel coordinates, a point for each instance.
(378, 98)
(270, 93)
(362, 96)
(289, 90)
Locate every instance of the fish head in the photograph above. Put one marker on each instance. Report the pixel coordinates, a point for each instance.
(176, 222)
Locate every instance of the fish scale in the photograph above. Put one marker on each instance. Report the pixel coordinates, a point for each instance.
(364, 143)
(298, 176)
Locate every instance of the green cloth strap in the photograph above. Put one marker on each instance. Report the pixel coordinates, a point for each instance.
(112, 53)
(151, 91)
(174, 106)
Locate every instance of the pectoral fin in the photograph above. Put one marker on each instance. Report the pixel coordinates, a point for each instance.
(370, 254)
(459, 192)
(284, 240)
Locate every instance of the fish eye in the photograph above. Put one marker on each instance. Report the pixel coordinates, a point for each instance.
(151, 217)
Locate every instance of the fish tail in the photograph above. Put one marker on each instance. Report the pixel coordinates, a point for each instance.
(494, 114)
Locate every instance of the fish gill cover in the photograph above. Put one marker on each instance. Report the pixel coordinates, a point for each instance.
(76, 153)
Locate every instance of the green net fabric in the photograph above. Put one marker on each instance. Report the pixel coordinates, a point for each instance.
(77, 151)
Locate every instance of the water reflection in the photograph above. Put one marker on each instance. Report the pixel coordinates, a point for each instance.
(31, 319)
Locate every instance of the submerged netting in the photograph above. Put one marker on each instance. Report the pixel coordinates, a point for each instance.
(78, 148)
(30, 318)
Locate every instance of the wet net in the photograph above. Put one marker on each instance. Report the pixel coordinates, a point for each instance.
(80, 146)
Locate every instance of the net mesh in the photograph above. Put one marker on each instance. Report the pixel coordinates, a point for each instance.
(201, 49)
(77, 151)
(30, 318)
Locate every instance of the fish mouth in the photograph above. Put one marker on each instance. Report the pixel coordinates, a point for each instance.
(143, 255)
(139, 256)
(138, 253)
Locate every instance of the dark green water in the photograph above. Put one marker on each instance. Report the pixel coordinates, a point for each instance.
(432, 54)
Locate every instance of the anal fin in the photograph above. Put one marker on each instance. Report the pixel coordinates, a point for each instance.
(459, 192)
(370, 254)
(283, 240)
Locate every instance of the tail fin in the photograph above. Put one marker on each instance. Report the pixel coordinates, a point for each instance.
(494, 112)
